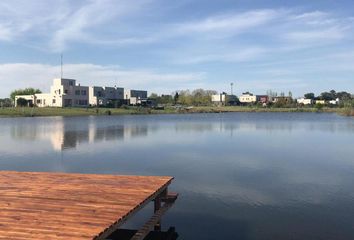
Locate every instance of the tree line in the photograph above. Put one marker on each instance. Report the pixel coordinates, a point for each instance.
(201, 97)
(197, 97)
(328, 96)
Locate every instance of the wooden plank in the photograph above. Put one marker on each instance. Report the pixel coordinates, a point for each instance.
(71, 206)
(155, 219)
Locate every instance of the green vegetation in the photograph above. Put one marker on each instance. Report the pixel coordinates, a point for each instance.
(348, 108)
(5, 102)
(21, 102)
(197, 97)
(36, 112)
(26, 91)
(196, 101)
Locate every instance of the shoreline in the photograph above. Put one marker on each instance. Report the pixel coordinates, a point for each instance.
(66, 112)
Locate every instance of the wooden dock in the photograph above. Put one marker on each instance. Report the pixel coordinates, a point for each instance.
(76, 206)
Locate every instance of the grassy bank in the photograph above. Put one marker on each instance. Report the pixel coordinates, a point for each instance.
(33, 112)
(248, 109)
(346, 111)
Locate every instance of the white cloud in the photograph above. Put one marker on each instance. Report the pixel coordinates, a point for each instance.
(59, 22)
(317, 28)
(317, 36)
(231, 22)
(21, 75)
(234, 55)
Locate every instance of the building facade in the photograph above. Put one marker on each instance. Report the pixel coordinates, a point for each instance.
(262, 98)
(218, 99)
(67, 93)
(246, 98)
(304, 101)
(135, 97)
(101, 96)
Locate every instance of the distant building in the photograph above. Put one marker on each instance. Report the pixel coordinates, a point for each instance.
(29, 98)
(67, 93)
(63, 93)
(304, 101)
(135, 97)
(320, 102)
(247, 98)
(334, 102)
(104, 95)
(223, 99)
(218, 98)
(283, 99)
(262, 98)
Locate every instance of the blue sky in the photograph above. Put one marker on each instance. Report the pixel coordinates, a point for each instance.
(162, 46)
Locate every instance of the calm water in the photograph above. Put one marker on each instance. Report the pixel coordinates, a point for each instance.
(239, 175)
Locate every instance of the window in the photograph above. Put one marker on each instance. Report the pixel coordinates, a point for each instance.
(81, 102)
(59, 91)
(38, 101)
(71, 83)
(53, 101)
(83, 92)
(77, 92)
(66, 91)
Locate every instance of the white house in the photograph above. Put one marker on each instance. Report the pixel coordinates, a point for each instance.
(320, 102)
(63, 93)
(334, 102)
(305, 101)
(30, 99)
(67, 93)
(218, 98)
(247, 98)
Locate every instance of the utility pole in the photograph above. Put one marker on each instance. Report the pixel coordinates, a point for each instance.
(61, 66)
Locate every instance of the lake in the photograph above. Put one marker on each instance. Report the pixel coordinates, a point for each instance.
(239, 175)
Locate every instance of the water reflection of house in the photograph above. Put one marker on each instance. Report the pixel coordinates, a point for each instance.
(63, 134)
(133, 131)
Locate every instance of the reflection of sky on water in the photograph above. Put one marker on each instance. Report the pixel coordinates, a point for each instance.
(266, 175)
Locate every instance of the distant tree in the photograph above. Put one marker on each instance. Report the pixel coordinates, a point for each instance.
(153, 96)
(185, 97)
(21, 102)
(271, 95)
(319, 106)
(197, 97)
(165, 99)
(290, 94)
(211, 92)
(6, 102)
(343, 95)
(26, 91)
(333, 93)
(175, 97)
(309, 96)
(327, 96)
